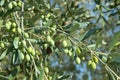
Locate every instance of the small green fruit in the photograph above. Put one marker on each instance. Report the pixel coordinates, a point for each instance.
(52, 43)
(14, 24)
(78, 61)
(7, 26)
(24, 43)
(33, 52)
(29, 49)
(2, 45)
(19, 30)
(10, 5)
(45, 46)
(46, 70)
(19, 3)
(95, 59)
(14, 30)
(78, 51)
(93, 65)
(66, 51)
(22, 56)
(14, 3)
(104, 59)
(89, 62)
(64, 43)
(70, 53)
(27, 57)
(48, 38)
(26, 35)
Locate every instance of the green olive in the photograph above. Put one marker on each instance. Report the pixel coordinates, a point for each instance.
(65, 51)
(70, 53)
(89, 62)
(19, 30)
(29, 49)
(45, 46)
(46, 70)
(10, 5)
(52, 43)
(14, 30)
(2, 45)
(22, 56)
(27, 57)
(26, 35)
(14, 3)
(48, 38)
(33, 52)
(78, 61)
(19, 3)
(93, 65)
(95, 59)
(7, 25)
(24, 43)
(64, 43)
(78, 51)
(14, 24)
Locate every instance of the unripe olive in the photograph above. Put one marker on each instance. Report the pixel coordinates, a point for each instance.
(2, 45)
(33, 52)
(78, 61)
(37, 52)
(89, 62)
(65, 51)
(29, 49)
(49, 78)
(24, 43)
(104, 59)
(53, 29)
(70, 53)
(14, 24)
(46, 70)
(14, 30)
(7, 26)
(22, 56)
(64, 43)
(95, 59)
(19, 3)
(10, 5)
(27, 57)
(45, 46)
(48, 15)
(19, 30)
(26, 35)
(93, 65)
(14, 3)
(52, 43)
(78, 51)
(48, 38)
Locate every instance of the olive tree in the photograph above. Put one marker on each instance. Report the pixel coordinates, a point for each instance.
(47, 39)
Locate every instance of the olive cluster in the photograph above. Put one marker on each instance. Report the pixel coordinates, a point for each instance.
(93, 62)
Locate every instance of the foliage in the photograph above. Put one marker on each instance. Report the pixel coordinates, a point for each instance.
(37, 34)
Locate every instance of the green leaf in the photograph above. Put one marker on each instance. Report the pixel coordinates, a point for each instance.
(14, 58)
(41, 76)
(3, 54)
(114, 41)
(90, 32)
(3, 77)
(2, 2)
(115, 57)
(14, 72)
(54, 76)
(75, 27)
(16, 42)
